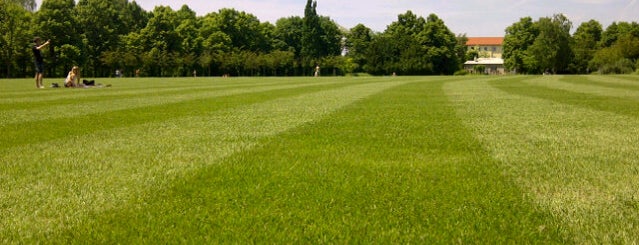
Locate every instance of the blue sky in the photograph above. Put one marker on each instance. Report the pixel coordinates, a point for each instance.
(473, 17)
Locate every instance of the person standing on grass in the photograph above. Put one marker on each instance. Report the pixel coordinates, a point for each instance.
(39, 62)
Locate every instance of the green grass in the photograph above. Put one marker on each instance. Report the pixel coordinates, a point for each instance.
(322, 160)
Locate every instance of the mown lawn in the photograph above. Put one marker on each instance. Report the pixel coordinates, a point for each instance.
(488, 160)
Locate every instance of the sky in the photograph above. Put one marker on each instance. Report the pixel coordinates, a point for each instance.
(475, 18)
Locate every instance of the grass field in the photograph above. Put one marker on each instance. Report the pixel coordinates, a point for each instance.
(480, 160)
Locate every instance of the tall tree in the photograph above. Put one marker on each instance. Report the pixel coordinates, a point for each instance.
(357, 43)
(133, 17)
(406, 53)
(14, 26)
(441, 44)
(55, 20)
(320, 36)
(551, 50)
(311, 33)
(101, 25)
(161, 41)
(289, 34)
(519, 36)
(191, 47)
(245, 30)
(586, 41)
(29, 5)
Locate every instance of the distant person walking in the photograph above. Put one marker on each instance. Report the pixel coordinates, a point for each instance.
(317, 71)
(39, 62)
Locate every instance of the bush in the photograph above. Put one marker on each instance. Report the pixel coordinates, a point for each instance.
(480, 69)
(622, 66)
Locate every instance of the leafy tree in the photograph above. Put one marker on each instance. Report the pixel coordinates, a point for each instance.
(163, 42)
(441, 44)
(382, 55)
(545, 45)
(619, 58)
(398, 49)
(586, 41)
(413, 45)
(244, 29)
(358, 41)
(332, 38)
(215, 43)
(28, 5)
(288, 35)
(55, 20)
(407, 24)
(519, 37)
(311, 32)
(461, 51)
(191, 46)
(101, 23)
(133, 17)
(320, 36)
(14, 26)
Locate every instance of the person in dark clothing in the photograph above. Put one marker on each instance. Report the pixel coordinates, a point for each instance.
(39, 62)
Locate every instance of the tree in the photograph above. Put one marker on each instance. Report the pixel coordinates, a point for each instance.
(551, 49)
(441, 44)
(533, 47)
(461, 50)
(413, 45)
(619, 58)
(245, 30)
(14, 25)
(320, 36)
(162, 40)
(191, 46)
(586, 41)
(133, 17)
(55, 20)
(358, 41)
(311, 32)
(332, 38)
(288, 35)
(519, 37)
(101, 24)
(403, 52)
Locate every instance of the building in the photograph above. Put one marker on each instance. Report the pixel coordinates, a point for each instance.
(488, 47)
(489, 55)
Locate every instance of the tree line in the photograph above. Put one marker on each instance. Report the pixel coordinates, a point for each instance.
(546, 45)
(102, 36)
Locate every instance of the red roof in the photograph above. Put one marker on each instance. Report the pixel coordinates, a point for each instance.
(485, 41)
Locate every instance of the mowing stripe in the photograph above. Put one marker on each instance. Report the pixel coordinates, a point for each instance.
(80, 96)
(101, 171)
(140, 111)
(79, 107)
(577, 161)
(397, 167)
(606, 81)
(632, 78)
(615, 104)
(581, 84)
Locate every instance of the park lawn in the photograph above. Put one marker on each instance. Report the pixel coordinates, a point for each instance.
(512, 159)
